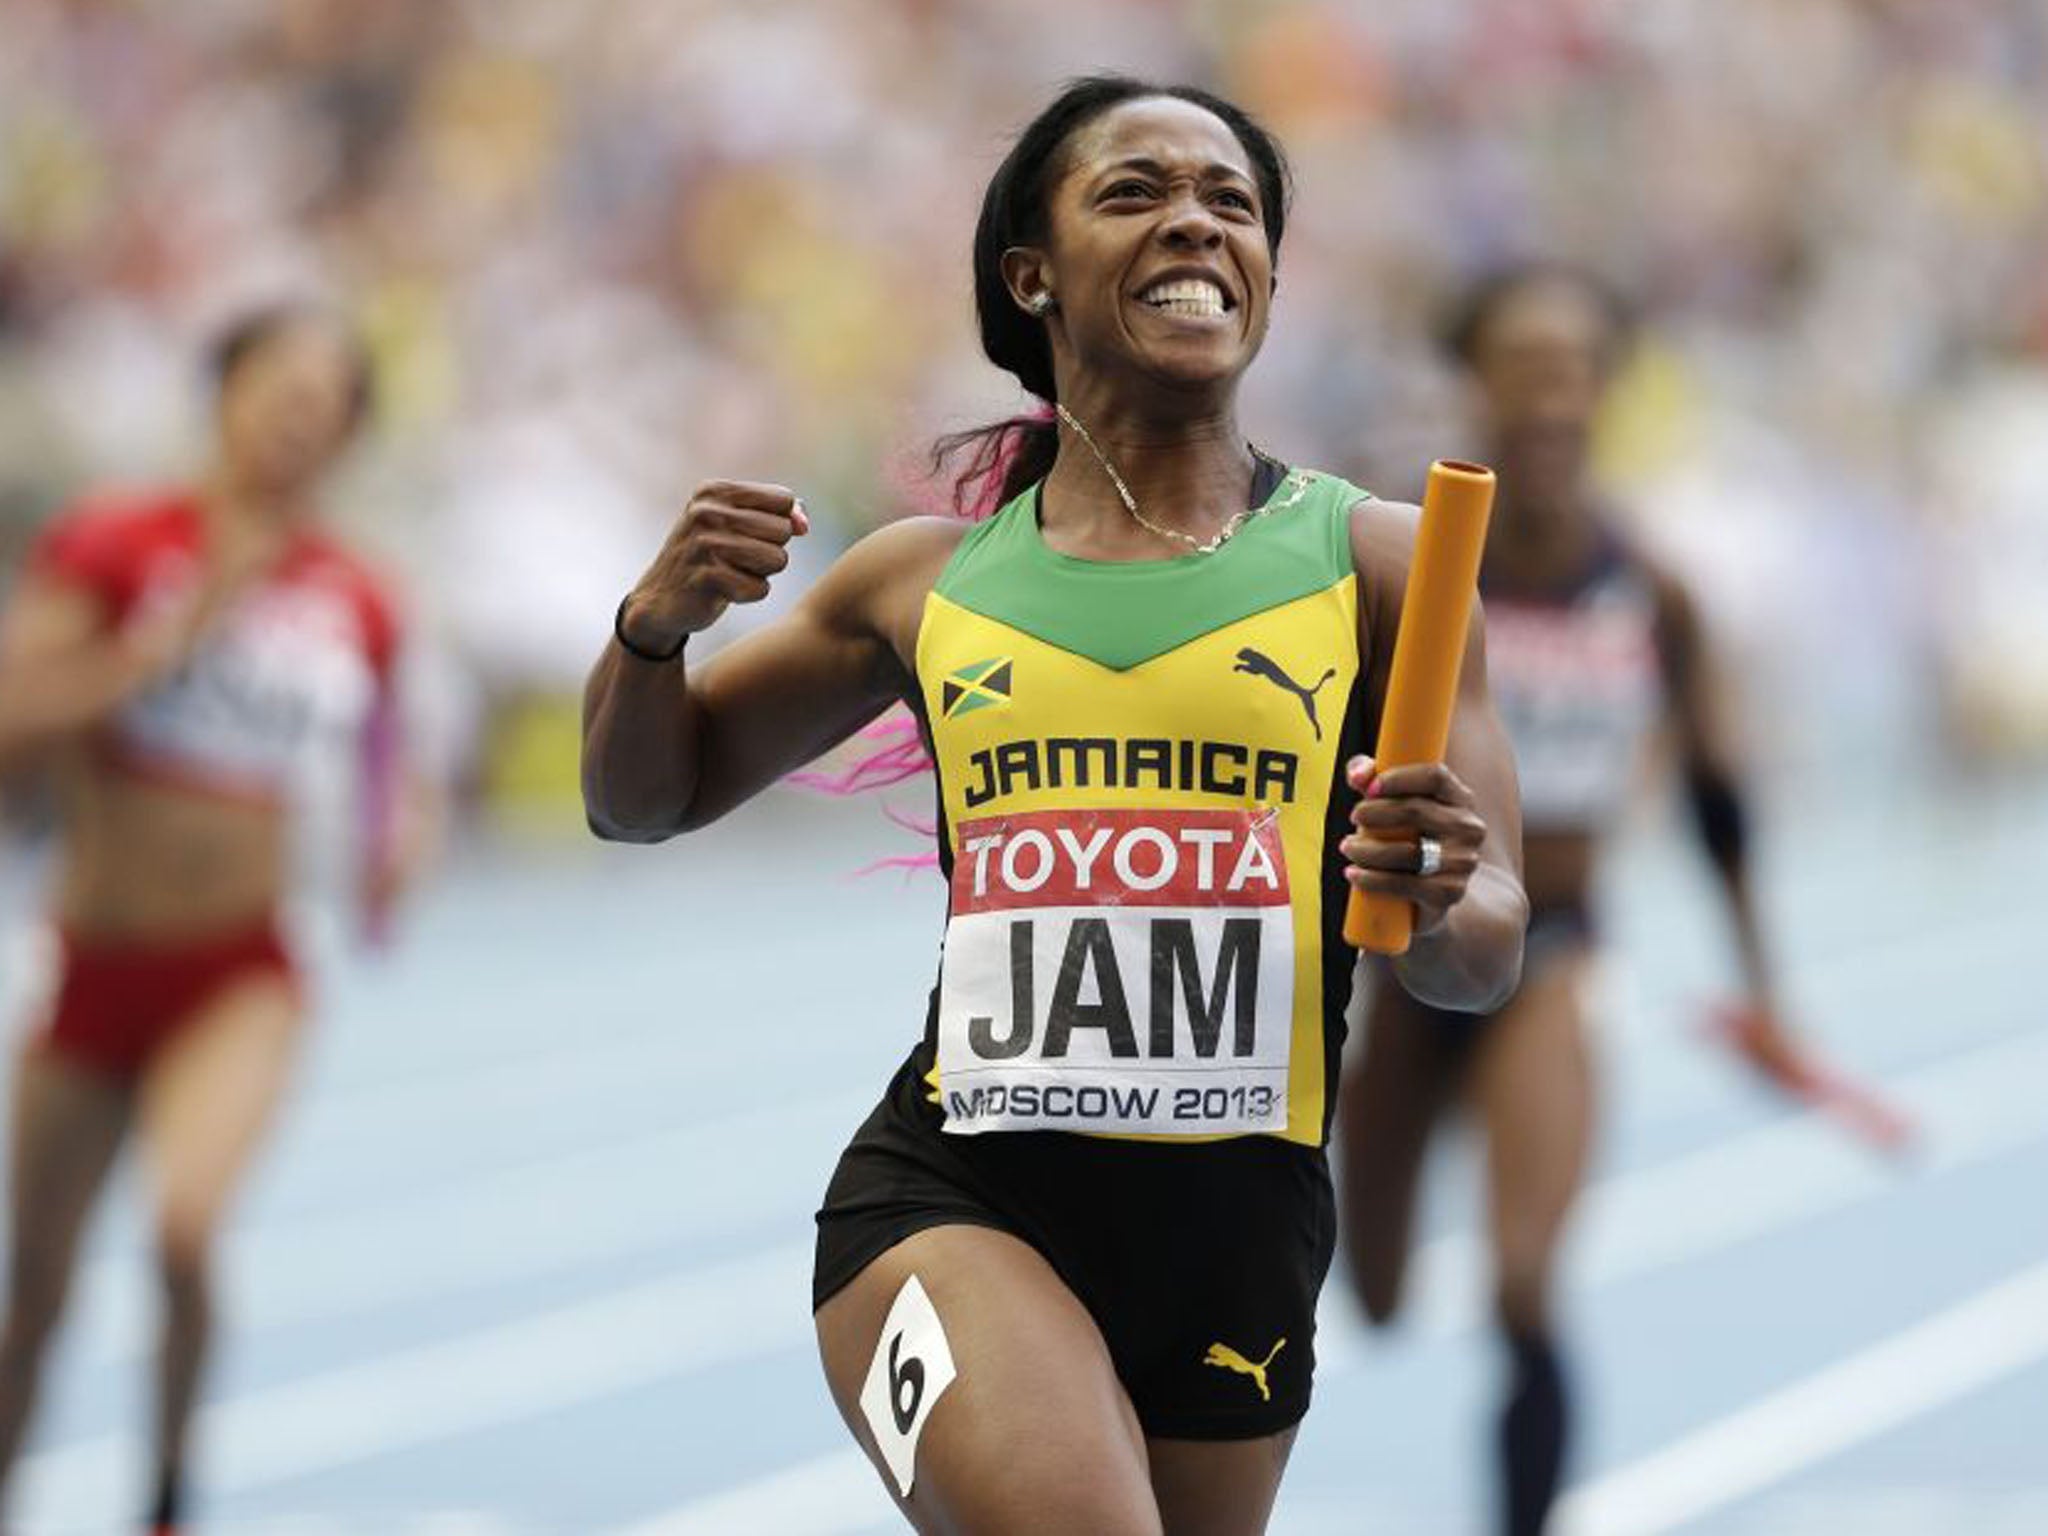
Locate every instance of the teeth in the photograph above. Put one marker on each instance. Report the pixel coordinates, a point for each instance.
(1186, 296)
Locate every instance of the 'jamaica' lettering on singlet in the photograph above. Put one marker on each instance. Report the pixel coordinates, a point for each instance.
(1111, 762)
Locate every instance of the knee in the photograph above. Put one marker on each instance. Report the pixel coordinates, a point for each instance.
(1101, 1512)
(1380, 1295)
(184, 1248)
(1376, 1278)
(1521, 1297)
(38, 1284)
(1121, 1516)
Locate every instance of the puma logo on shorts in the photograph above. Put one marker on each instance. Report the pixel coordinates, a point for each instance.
(1225, 1358)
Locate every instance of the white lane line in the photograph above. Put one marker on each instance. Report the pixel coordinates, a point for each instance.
(622, 1199)
(682, 1072)
(1972, 1108)
(826, 1497)
(580, 1211)
(459, 1522)
(1856, 991)
(1927, 1366)
(603, 1345)
(335, 1125)
(1928, 957)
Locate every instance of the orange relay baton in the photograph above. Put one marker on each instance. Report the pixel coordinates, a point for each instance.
(1423, 686)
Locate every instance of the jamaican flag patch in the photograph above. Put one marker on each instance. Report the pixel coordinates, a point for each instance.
(976, 687)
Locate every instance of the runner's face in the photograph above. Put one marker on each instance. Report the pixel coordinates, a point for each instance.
(287, 409)
(1541, 365)
(1157, 250)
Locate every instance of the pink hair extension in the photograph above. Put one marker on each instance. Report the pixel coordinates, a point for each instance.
(978, 493)
(900, 755)
(987, 456)
(914, 486)
(917, 824)
(909, 863)
(897, 752)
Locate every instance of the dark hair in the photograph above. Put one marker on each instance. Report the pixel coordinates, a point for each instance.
(1464, 327)
(1006, 456)
(245, 337)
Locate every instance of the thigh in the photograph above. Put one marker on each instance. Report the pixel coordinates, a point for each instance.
(1034, 1433)
(1532, 1091)
(1388, 1105)
(1218, 1487)
(67, 1126)
(209, 1094)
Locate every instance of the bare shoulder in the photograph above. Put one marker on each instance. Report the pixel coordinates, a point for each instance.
(340, 561)
(908, 544)
(904, 556)
(1677, 610)
(43, 614)
(1383, 535)
(1382, 547)
(371, 590)
(878, 585)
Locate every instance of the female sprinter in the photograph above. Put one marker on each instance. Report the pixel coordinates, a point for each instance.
(172, 658)
(1067, 1269)
(1587, 645)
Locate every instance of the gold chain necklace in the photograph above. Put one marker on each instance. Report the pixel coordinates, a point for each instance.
(1297, 481)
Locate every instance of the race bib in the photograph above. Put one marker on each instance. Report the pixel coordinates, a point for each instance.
(279, 677)
(1128, 971)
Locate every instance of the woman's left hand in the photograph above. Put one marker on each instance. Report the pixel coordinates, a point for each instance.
(1397, 807)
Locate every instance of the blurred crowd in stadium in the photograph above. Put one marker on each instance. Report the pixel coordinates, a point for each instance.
(604, 249)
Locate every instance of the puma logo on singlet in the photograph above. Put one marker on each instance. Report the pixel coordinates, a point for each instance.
(1223, 1357)
(1259, 664)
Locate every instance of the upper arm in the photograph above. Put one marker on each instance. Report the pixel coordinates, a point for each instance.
(1481, 754)
(778, 697)
(1690, 677)
(50, 632)
(1478, 751)
(384, 725)
(77, 584)
(46, 617)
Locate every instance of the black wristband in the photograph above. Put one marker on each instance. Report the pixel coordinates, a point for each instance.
(1719, 813)
(619, 634)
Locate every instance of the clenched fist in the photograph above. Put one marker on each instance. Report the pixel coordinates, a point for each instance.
(732, 537)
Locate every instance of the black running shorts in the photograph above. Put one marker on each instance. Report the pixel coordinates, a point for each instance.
(1199, 1261)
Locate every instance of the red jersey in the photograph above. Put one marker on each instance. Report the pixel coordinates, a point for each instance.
(297, 663)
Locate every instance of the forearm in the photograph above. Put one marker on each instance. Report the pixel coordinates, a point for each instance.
(1720, 813)
(1748, 930)
(399, 813)
(44, 702)
(1472, 962)
(642, 747)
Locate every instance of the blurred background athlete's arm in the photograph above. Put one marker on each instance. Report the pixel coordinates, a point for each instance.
(61, 671)
(69, 657)
(1708, 755)
(668, 748)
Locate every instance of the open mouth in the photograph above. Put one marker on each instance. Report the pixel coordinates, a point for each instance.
(1195, 298)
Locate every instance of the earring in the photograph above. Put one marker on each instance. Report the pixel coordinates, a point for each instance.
(1040, 303)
